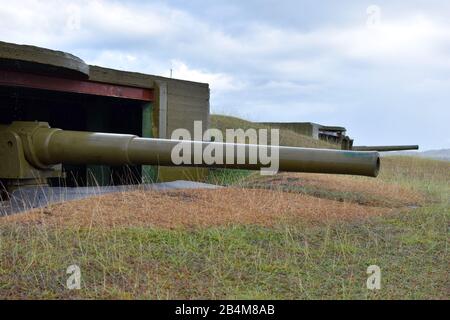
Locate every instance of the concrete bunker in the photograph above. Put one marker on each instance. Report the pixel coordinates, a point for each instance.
(38, 84)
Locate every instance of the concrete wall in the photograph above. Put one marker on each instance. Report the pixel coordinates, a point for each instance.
(315, 131)
(185, 102)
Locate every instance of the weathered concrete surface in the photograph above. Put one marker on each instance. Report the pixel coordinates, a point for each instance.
(36, 197)
(33, 59)
(125, 78)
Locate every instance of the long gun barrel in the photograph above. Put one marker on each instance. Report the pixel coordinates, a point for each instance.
(44, 147)
(385, 148)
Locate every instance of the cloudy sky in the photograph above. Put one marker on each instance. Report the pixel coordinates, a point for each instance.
(379, 68)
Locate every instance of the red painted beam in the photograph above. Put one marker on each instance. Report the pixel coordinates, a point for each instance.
(28, 80)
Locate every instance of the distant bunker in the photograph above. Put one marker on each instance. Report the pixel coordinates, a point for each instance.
(331, 134)
(38, 84)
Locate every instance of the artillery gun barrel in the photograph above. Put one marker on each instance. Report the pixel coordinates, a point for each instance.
(385, 148)
(44, 146)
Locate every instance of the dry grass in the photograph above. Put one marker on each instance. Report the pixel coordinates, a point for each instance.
(267, 201)
(236, 243)
(194, 209)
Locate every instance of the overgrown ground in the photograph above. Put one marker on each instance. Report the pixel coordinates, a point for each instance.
(292, 236)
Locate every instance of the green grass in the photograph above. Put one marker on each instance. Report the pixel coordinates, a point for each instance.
(240, 262)
(228, 177)
(430, 176)
(295, 261)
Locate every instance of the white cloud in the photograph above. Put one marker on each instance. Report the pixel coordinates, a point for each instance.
(219, 82)
(407, 41)
(111, 25)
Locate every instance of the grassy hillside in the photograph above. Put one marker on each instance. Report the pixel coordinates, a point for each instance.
(291, 236)
(287, 137)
